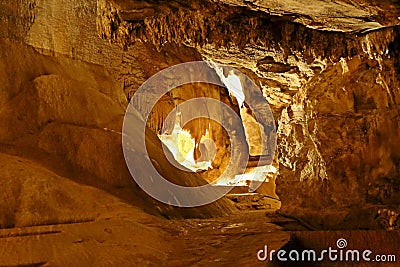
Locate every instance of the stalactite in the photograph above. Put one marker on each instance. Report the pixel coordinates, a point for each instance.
(221, 28)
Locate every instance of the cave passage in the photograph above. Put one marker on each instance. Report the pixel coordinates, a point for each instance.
(196, 148)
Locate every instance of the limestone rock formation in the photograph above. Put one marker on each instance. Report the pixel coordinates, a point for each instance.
(331, 76)
(330, 71)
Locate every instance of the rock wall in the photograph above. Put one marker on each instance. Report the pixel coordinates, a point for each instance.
(63, 95)
(339, 139)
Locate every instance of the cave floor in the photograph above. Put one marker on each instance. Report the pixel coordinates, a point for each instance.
(115, 241)
(127, 237)
(229, 241)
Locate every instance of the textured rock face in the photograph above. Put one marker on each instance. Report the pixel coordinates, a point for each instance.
(340, 143)
(339, 137)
